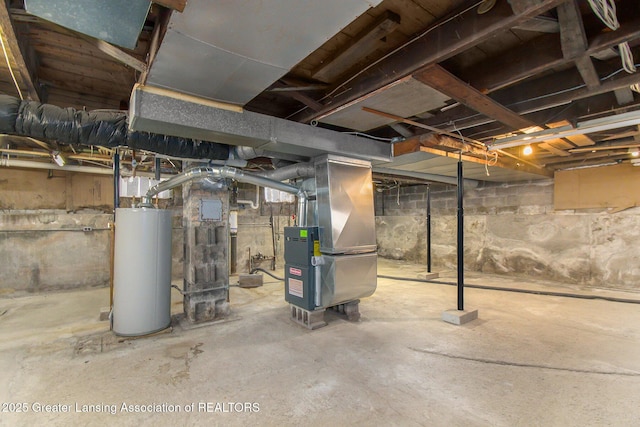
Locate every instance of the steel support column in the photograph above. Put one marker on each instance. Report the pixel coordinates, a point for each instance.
(460, 237)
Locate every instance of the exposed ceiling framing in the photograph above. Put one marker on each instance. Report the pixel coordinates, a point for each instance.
(439, 79)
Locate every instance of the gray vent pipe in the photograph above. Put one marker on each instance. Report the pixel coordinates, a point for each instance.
(297, 170)
(220, 172)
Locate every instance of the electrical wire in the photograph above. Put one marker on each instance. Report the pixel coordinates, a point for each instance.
(606, 11)
(6, 57)
(366, 135)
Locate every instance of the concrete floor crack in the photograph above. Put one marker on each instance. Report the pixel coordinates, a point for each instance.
(524, 365)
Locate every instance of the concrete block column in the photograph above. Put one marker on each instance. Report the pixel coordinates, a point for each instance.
(206, 250)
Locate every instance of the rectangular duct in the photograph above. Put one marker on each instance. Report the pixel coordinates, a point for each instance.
(115, 21)
(232, 50)
(345, 205)
(156, 112)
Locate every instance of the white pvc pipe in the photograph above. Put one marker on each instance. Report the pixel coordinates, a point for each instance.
(254, 205)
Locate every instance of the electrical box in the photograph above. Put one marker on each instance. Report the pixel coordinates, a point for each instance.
(300, 245)
(210, 210)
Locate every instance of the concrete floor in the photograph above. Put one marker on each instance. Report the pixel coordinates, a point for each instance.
(528, 360)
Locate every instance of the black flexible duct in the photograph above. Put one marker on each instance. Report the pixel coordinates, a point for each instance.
(103, 128)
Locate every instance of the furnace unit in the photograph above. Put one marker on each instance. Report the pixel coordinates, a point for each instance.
(332, 261)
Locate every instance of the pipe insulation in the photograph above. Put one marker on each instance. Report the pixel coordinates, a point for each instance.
(99, 127)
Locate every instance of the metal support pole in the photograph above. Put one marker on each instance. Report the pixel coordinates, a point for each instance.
(233, 246)
(460, 236)
(157, 168)
(428, 228)
(116, 181)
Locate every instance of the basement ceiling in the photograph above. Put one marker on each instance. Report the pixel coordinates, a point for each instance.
(436, 77)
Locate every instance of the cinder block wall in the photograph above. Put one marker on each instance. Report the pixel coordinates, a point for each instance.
(513, 229)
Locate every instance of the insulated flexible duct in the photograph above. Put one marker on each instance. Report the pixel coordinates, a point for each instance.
(101, 128)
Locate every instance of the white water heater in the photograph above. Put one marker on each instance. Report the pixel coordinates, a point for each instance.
(142, 271)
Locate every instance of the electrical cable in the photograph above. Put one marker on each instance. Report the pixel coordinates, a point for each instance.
(486, 156)
(606, 11)
(366, 135)
(6, 57)
(516, 290)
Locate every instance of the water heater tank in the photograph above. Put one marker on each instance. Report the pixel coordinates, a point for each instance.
(142, 271)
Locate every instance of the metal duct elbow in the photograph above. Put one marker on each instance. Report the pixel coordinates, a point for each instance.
(188, 175)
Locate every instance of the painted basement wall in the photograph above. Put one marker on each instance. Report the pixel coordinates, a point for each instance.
(42, 245)
(513, 229)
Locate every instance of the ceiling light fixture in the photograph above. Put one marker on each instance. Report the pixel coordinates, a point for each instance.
(615, 121)
(528, 150)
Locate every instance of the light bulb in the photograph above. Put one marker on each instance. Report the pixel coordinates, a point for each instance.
(527, 150)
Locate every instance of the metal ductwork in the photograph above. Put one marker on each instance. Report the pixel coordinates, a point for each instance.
(220, 172)
(248, 153)
(152, 110)
(99, 128)
(297, 170)
(231, 51)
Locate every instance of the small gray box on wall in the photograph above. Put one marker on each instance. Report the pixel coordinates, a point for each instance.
(210, 210)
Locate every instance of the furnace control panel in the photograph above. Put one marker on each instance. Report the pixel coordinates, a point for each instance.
(300, 245)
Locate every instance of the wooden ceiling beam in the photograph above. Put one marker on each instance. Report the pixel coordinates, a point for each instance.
(553, 149)
(76, 43)
(123, 77)
(424, 126)
(23, 73)
(157, 35)
(81, 43)
(178, 5)
(443, 81)
(358, 48)
(402, 130)
(576, 158)
(429, 144)
(573, 40)
(303, 98)
(539, 55)
(57, 80)
(117, 54)
(579, 140)
(447, 39)
(561, 88)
